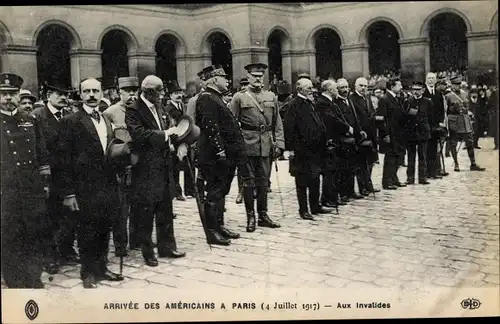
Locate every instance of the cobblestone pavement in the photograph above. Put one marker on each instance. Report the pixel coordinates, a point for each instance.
(443, 234)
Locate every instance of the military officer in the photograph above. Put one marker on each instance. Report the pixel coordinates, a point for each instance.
(221, 149)
(128, 89)
(459, 125)
(24, 189)
(258, 113)
(27, 100)
(239, 199)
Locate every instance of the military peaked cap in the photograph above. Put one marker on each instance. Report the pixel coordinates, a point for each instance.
(26, 94)
(256, 67)
(10, 81)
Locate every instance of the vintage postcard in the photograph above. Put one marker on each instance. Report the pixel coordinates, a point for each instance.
(249, 161)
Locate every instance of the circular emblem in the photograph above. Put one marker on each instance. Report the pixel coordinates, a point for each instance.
(31, 309)
(7, 81)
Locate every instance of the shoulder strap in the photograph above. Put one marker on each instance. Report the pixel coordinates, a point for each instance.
(260, 108)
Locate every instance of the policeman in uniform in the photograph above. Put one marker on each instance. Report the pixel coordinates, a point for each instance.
(460, 125)
(24, 190)
(27, 100)
(221, 149)
(128, 90)
(258, 113)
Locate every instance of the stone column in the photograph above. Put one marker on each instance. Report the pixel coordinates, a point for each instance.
(85, 63)
(193, 63)
(286, 65)
(243, 56)
(22, 61)
(303, 61)
(482, 56)
(180, 62)
(354, 61)
(141, 64)
(413, 59)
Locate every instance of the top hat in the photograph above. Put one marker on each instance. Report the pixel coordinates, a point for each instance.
(10, 81)
(256, 67)
(213, 71)
(57, 85)
(128, 82)
(174, 87)
(23, 93)
(186, 130)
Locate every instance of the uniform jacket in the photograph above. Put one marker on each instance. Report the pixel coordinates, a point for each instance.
(391, 121)
(305, 134)
(116, 114)
(84, 168)
(458, 119)
(219, 130)
(250, 116)
(418, 128)
(151, 174)
(191, 106)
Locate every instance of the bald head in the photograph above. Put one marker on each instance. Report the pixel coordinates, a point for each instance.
(151, 82)
(152, 89)
(91, 92)
(304, 87)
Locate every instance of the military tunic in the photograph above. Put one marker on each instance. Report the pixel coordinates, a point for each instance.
(24, 224)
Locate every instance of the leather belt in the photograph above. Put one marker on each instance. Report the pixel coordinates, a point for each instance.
(261, 128)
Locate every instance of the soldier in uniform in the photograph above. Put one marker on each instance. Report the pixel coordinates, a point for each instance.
(24, 188)
(460, 126)
(220, 150)
(239, 199)
(128, 88)
(258, 113)
(63, 225)
(27, 100)
(420, 114)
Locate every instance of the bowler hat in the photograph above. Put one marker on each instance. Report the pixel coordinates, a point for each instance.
(10, 81)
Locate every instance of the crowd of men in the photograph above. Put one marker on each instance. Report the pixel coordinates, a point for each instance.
(92, 168)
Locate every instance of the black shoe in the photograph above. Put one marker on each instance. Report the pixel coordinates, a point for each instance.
(306, 216)
(174, 254)
(110, 276)
(495, 148)
(121, 252)
(345, 199)
(410, 182)
(89, 282)
(340, 203)
(365, 192)
(329, 204)
(265, 221)
(239, 199)
(457, 168)
(269, 189)
(401, 184)
(444, 174)
(475, 167)
(424, 182)
(251, 222)
(374, 190)
(477, 147)
(227, 233)
(356, 196)
(320, 210)
(437, 176)
(151, 261)
(447, 154)
(390, 187)
(216, 238)
(180, 198)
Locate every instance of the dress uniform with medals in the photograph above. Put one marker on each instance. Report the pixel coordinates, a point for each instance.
(257, 111)
(24, 179)
(460, 125)
(221, 149)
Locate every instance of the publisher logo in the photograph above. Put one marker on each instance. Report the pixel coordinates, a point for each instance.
(470, 303)
(31, 309)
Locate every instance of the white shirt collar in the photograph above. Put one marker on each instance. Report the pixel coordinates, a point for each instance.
(302, 96)
(392, 93)
(89, 110)
(147, 102)
(359, 94)
(9, 113)
(53, 109)
(327, 96)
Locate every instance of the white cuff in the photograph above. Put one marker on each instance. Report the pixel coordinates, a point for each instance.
(166, 136)
(351, 130)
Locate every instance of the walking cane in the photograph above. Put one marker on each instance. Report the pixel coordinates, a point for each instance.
(279, 186)
(201, 209)
(442, 156)
(123, 209)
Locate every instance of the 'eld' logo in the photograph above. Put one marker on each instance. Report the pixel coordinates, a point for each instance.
(470, 303)
(31, 309)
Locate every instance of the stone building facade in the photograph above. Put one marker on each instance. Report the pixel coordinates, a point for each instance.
(247, 28)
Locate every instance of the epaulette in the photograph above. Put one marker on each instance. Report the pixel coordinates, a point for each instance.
(204, 93)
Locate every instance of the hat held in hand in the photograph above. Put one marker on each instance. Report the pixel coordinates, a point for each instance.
(186, 131)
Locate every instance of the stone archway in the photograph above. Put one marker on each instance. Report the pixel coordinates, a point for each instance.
(166, 49)
(115, 50)
(220, 51)
(327, 44)
(278, 42)
(384, 55)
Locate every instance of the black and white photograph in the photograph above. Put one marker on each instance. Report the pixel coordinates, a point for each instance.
(249, 161)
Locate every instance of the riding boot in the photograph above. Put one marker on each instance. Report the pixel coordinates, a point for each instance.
(211, 214)
(248, 194)
(264, 220)
(225, 232)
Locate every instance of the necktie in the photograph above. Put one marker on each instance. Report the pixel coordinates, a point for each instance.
(58, 114)
(94, 114)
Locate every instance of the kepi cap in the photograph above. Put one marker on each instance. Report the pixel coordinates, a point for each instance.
(213, 71)
(10, 81)
(24, 93)
(456, 80)
(128, 82)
